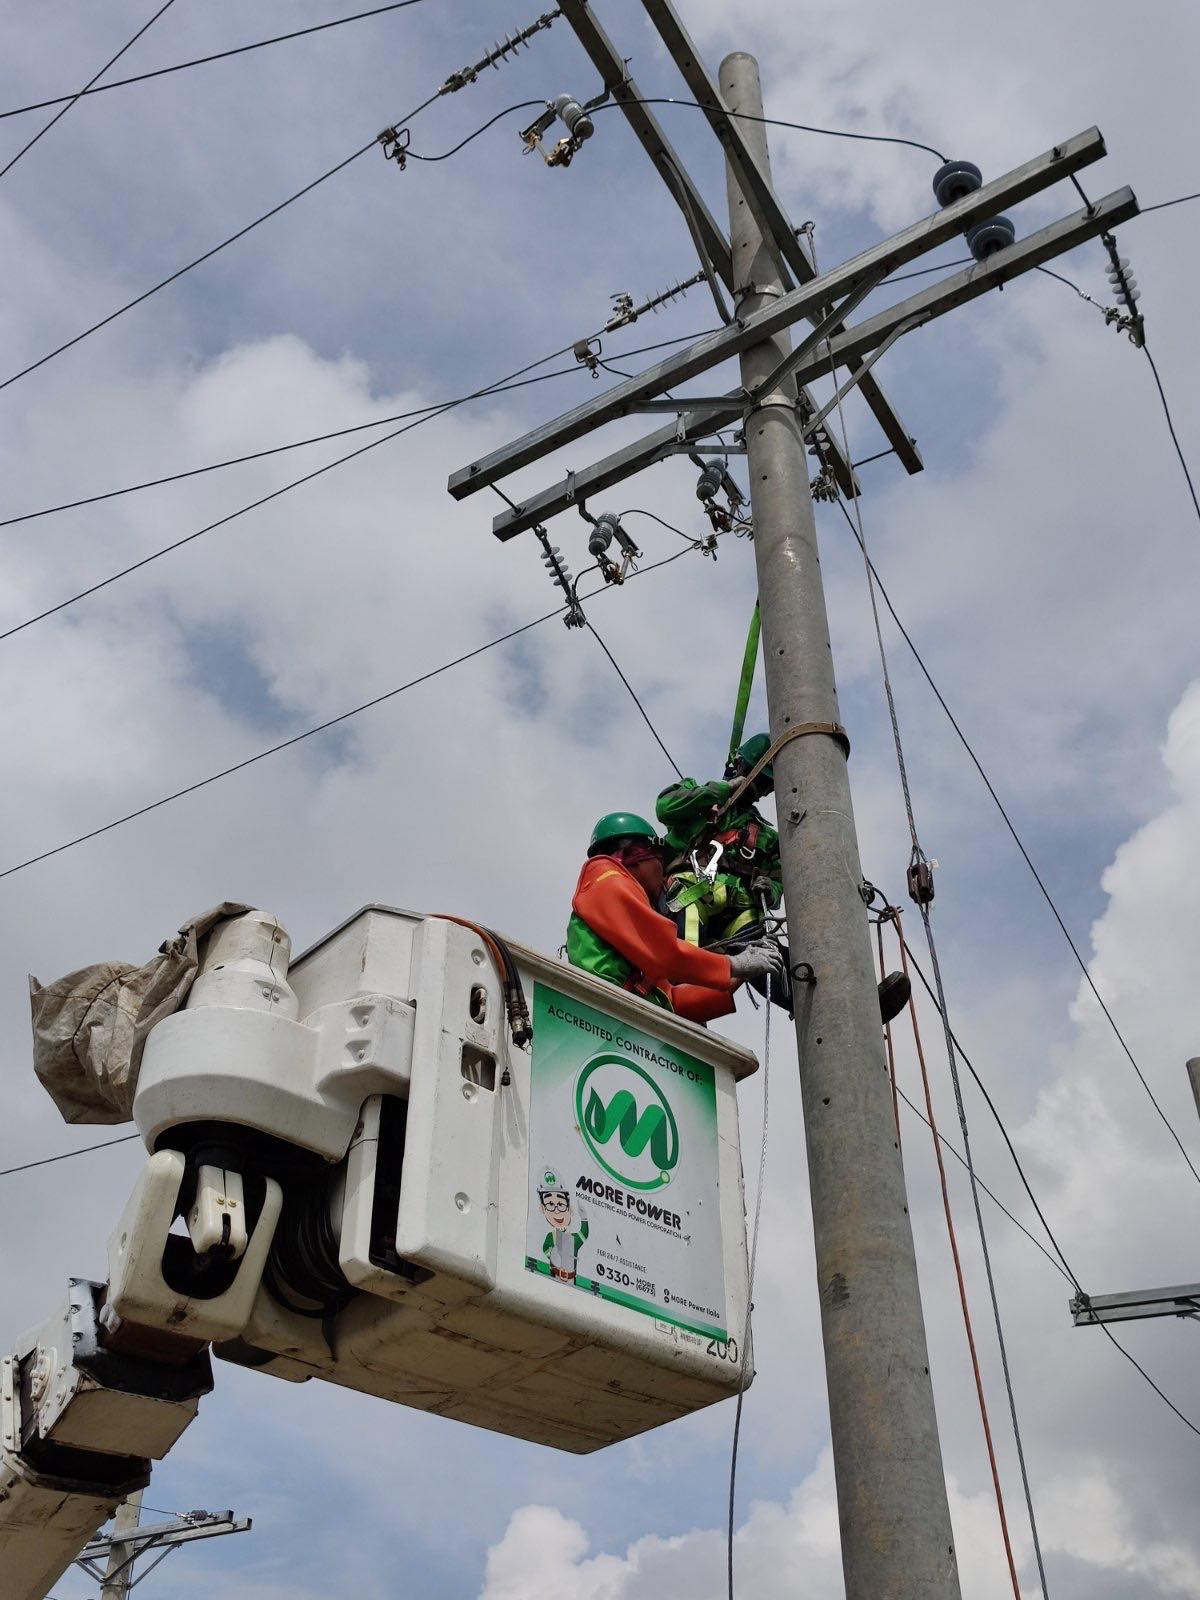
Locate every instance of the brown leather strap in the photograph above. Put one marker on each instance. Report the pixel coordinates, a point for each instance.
(833, 730)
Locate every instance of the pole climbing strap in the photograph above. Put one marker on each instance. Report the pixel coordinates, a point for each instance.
(833, 730)
(746, 681)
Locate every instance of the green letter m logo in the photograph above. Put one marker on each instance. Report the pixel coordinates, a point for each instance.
(648, 1138)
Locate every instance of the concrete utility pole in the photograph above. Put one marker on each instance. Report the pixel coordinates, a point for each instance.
(118, 1576)
(897, 1542)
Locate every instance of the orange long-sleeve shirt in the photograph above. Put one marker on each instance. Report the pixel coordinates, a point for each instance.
(699, 983)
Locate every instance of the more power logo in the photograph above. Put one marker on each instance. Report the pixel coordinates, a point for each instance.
(626, 1122)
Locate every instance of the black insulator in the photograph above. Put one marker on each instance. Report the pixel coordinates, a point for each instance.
(954, 180)
(985, 238)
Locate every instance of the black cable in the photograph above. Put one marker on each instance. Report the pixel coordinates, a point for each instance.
(1070, 1272)
(337, 433)
(958, 1156)
(637, 511)
(26, 1166)
(775, 122)
(201, 61)
(321, 727)
(1171, 427)
(1017, 840)
(274, 494)
(1163, 204)
(1145, 347)
(208, 254)
(923, 272)
(521, 105)
(58, 115)
(633, 696)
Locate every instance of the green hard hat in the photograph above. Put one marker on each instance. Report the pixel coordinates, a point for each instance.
(621, 825)
(752, 752)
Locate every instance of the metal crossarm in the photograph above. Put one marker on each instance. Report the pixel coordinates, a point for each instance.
(844, 349)
(811, 298)
(781, 238)
(1183, 1300)
(711, 244)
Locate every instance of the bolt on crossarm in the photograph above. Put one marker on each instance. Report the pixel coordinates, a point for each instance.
(897, 1542)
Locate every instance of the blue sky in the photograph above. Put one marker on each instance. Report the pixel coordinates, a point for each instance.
(1045, 562)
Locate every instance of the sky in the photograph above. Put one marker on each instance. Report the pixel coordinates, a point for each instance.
(1044, 564)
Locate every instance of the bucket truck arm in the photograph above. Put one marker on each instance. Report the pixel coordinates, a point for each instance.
(83, 1413)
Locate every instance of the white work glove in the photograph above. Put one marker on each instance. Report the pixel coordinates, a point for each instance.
(758, 961)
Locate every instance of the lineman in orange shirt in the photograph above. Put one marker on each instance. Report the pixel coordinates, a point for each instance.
(616, 933)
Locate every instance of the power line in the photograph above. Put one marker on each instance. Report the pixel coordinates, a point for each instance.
(201, 61)
(321, 727)
(645, 715)
(46, 1161)
(337, 433)
(1163, 204)
(208, 254)
(1028, 859)
(775, 122)
(1171, 427)
(427, 416)
(1069, 1270)
(522, 105)
(58, 115)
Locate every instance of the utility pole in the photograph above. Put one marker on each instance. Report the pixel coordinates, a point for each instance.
(132, 1540)
(118, 1575)
(896, 1536)
(897, 1542)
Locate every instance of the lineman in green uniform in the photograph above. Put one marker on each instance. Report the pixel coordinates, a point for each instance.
(724, 870)
(723, 875)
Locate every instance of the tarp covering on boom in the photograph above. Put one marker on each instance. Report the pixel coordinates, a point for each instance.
(89, 1028)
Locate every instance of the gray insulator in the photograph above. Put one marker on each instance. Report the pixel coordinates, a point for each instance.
(954, 180)
(603, 531)
(709, 483)
(985, 238)
(578, 124)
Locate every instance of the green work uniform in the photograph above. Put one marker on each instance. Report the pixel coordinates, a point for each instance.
(748, 871)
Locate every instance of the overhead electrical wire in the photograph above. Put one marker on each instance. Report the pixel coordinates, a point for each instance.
(774, 122)
(233, 238)
(1066, 1268)
(201, 61)
(85, 1150)
(427, 415)
(337, 433)
(321, 727)
(645, 715)
(1020, 844)
(71, 100)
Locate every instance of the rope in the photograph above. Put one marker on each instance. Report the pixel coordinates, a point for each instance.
(746, 1328)
(893, 914)
(919, 858)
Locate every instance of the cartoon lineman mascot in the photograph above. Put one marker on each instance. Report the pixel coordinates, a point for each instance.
(563, 1243)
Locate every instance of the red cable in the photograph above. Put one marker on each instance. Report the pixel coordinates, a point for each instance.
(894, 917)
